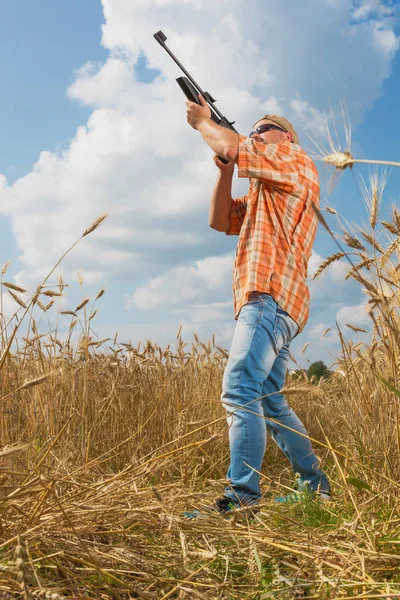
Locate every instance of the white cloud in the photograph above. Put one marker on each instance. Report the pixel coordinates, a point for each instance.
(363, 11)
(354, 315)
(271, 106)
(318, 330)
(335, 271)
(330, 287)
(371, 9)
(385, 40)
(378, 17)
(137, 158)
(308, 118)
(182, 285)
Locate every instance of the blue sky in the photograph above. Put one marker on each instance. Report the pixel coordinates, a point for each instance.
(41, 45)
(59, 75)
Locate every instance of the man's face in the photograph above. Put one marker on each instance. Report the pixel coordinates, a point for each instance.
(273, 136)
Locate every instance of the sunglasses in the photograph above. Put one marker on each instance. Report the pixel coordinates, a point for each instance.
(266, 127)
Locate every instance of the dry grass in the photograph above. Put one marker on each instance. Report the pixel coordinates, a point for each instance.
(104, 445)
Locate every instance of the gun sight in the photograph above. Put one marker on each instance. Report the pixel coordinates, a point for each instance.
(160, 37)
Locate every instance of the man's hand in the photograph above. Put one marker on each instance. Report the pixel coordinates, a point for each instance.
(228, 169)
(196, 113)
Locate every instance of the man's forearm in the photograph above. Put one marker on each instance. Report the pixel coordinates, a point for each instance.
(223, 141)
(221, 201)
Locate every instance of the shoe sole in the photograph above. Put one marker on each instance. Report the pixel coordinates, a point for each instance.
(241, 511)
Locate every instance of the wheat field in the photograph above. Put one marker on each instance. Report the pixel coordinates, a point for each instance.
(104, 445)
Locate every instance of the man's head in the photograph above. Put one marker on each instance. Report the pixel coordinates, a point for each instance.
(280, 130)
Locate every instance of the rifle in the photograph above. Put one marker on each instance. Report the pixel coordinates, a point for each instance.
(191, 89)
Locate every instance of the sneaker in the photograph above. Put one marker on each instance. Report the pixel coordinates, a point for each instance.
(224, 506)
(290, 498)
(304, 486)
(298, 496)
(325, 496)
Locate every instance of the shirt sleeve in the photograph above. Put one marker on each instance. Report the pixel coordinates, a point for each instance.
(275, 164)
(236, 218)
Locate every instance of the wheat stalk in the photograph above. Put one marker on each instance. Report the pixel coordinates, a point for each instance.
(398, 370)
(371, 240)
(7, 450)
(396, 216)
(225, 353)
(331, 210)
(17, 299)
(22, 572)
(353, 242)
(391, 227)
(373, 195)
(393, 246)
(14, 287)
(325, 224)
(353, 272)
(5, 267)
(253, 569)
(51, 294)
(61, 284)
(342, 159)
(184, 547)
(94, 225)
(36, 381)
(180, 430)
(327, 262)
(47, 595)
(81, 305)
(29, 384)
(293, 391)
(356, 329)
(38, 291)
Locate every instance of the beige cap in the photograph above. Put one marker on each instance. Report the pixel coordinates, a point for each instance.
(283, 123)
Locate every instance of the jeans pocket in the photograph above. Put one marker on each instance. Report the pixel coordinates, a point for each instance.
(285, 329)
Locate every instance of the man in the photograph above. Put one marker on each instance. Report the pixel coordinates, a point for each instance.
(276, 226)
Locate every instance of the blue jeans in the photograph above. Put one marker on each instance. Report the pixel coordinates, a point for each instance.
(255, 372)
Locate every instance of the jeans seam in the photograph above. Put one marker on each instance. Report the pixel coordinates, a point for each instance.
(275, 322)
(251, 339)
(241, 371)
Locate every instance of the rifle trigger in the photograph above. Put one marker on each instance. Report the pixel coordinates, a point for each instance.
(208, 97)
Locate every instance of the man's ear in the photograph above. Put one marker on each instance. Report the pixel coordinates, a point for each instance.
(289, 136)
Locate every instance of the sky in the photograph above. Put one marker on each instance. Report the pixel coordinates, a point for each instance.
(92, 122)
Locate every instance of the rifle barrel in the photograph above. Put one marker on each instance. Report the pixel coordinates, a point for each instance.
(161, 37)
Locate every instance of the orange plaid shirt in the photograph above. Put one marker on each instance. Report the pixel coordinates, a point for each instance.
(276, 225)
